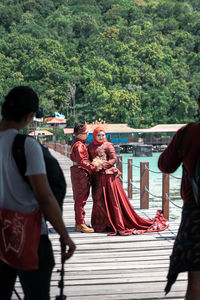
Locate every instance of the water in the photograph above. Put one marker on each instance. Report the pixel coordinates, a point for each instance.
(155, 183)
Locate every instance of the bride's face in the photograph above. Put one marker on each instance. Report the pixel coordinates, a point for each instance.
(100, 137)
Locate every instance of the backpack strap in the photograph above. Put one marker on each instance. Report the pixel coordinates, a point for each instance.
(19, 154)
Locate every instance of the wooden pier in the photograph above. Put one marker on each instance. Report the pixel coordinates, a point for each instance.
(113, 267)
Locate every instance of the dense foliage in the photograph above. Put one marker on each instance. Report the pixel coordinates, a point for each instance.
(124, 61)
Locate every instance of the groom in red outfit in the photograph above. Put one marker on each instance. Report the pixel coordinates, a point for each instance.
(80, 176)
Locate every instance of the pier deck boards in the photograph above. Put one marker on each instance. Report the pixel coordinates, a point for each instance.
(114, 267)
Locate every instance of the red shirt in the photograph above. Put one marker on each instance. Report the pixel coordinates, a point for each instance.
(79, 154)
(171, 159)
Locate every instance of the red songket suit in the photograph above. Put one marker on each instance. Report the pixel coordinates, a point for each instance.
(80, 178)
(112, 211)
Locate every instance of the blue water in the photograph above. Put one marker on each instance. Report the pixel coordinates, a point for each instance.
(155, 183)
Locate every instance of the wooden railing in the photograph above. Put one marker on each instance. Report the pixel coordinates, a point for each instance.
(144, 185)
(63, 149)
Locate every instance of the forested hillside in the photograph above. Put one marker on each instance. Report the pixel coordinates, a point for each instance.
(124, 61)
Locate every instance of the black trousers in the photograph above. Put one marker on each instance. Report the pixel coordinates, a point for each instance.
(36, 283)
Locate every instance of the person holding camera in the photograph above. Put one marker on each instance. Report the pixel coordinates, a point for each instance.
(16, 195)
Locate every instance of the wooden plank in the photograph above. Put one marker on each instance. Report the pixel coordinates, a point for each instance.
(144, 290)
(114, 267)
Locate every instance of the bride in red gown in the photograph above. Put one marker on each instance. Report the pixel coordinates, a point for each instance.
(112, 211)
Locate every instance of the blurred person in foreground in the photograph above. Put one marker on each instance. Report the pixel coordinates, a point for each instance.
(18, 109)
(185, 149)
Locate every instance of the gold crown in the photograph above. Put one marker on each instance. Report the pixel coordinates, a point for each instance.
(98, 123)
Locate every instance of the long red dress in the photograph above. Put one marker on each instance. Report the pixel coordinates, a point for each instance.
(112, 211)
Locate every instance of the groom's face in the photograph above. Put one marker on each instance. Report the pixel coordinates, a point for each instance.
(83, 136)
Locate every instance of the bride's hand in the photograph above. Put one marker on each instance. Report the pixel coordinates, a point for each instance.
(96, 162)
(99, 168)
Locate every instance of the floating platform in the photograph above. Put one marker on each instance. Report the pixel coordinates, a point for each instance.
(136, 149)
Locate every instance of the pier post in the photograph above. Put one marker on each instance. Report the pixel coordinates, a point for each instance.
(165, 195)
(130, 177)
(68, 151)
(119, 164)
(58, 147)
(62, 149)
(144, 185)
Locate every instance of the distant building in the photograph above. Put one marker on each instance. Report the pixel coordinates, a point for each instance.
(123, 134)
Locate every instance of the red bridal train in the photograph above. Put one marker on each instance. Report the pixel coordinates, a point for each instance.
(112, 211)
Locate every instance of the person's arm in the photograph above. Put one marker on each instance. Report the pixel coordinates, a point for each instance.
(170, 159)
(51, 210)
(36, 172)
(82, 158)
(112, 157)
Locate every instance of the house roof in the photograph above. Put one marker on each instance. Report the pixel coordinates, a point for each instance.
(112, 128)
(40, 132)
(163, 128)
(54, 120)
(124, 128)
(109, 128)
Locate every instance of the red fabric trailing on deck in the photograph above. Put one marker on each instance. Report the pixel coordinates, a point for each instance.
(112, 211)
